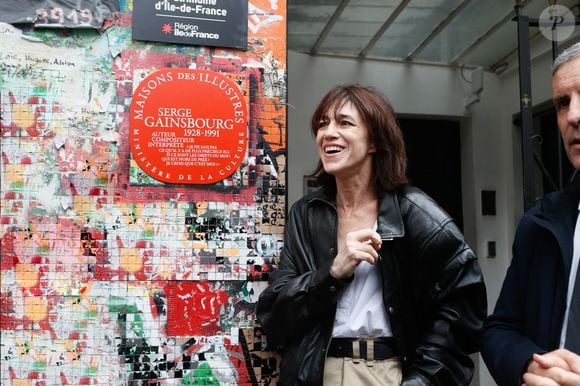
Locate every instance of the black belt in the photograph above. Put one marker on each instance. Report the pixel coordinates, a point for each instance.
(383, 348)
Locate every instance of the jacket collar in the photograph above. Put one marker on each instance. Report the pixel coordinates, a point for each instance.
(390, 224)
(557, 212)
(390, 221)
(555, 207)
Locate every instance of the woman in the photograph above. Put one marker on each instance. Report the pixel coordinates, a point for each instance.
(375, 284)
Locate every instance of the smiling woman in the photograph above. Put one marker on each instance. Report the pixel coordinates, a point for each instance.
(373, 271)
(352, 107)
(343, 143)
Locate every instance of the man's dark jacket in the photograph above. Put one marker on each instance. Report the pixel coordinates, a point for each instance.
(433, 290)
(530, 310)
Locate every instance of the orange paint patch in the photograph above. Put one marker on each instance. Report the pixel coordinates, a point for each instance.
(23, 115)
(21, 382)
(131, 261)
(26, 275)
(15, 173)
(36, 308)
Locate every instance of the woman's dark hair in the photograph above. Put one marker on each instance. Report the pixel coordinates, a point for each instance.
(376, 112)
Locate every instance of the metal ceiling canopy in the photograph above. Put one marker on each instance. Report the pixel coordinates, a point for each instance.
(437, 29)
(441, 32)
(486, 34)
(329, 25)
(384, 27)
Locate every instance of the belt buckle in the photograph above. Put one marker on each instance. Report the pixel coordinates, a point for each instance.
(370, 343)
(356, 350)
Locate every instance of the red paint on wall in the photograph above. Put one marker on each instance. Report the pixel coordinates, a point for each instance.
(193, 308)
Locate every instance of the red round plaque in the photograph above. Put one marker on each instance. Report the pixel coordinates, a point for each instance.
(188, 126)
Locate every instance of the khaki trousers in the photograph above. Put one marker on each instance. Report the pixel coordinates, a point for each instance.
(359, 372)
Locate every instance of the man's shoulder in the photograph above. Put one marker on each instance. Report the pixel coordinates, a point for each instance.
(552, 204)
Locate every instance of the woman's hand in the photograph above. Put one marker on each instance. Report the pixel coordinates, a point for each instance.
(361, 245)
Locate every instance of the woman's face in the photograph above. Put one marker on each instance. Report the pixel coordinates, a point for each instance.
(343, 143)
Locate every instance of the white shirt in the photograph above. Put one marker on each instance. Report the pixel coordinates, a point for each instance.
(572, 278)
(361, 311)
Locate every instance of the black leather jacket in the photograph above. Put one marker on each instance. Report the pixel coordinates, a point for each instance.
(433, 290)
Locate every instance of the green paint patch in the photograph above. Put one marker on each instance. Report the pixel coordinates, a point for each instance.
(37, 211)
(147, 235)
(40, 365)
(43, 249)
(137, 326)
(92, 371)
(118, 304)
(80, 325)
(203, 375)
(245, 290)
(39, 90)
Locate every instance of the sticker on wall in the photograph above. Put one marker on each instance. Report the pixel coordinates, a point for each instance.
(188, 126)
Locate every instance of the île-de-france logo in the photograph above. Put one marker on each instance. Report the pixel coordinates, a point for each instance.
(166, 28)
(557, 23)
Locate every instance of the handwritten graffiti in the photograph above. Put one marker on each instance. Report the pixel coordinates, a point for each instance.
(258, 18)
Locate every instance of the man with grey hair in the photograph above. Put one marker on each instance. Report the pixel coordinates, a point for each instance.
(533, 336)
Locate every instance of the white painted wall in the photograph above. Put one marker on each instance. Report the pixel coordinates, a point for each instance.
(491, 156)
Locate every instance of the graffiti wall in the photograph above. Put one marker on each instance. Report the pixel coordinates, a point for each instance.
(109, 276)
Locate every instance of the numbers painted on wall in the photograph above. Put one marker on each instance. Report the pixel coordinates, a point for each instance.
(63, 16)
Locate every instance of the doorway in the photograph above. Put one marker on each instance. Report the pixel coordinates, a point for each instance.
(434, 161)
